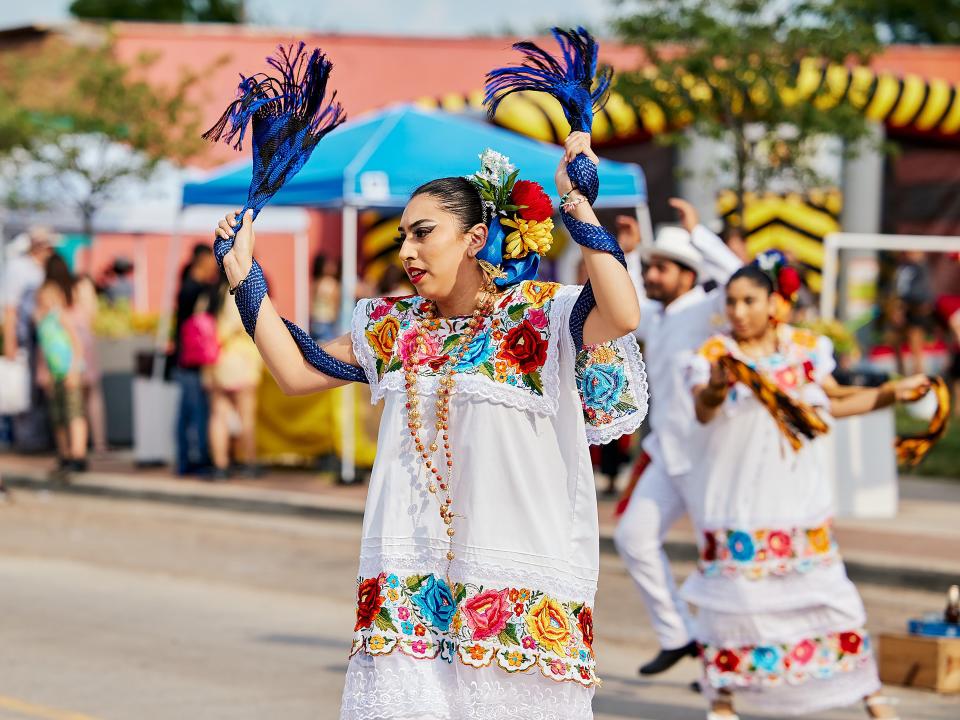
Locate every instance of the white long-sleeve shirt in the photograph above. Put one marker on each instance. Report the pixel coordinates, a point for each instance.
(669, 334)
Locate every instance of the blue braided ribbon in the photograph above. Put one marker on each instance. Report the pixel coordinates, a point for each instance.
(249, 296)
(583, 175)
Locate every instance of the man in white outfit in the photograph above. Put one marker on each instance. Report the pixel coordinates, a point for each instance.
(677, 317)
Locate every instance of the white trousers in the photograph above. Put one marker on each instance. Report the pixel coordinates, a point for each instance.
(656, 504)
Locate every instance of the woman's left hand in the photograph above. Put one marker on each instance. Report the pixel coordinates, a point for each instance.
(576, 143)
(912, 388)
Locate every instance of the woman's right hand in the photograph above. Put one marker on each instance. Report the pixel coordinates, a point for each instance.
(237, 262)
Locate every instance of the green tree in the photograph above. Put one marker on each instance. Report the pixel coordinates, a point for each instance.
(224, 11)
(910, 21)
(76, 125)
(728, 69)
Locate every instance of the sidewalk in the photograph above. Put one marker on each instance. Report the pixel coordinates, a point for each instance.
(920, 548)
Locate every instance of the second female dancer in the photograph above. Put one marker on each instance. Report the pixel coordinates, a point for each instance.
(778, 620)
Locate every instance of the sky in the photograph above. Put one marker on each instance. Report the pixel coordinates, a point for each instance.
(386, 17)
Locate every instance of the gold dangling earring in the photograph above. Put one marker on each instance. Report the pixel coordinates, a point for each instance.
(490, 273)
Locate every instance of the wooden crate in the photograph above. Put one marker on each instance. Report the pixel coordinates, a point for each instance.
(922, 662)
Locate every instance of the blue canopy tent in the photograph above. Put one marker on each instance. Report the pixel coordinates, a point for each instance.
(377, 160)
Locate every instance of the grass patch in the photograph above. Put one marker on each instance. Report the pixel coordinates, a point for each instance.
(944, 459)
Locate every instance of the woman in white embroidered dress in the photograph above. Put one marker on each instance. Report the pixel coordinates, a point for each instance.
(483, 609)
(777, 615)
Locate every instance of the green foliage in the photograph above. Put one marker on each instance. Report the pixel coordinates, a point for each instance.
(910, 21)
(76, 122)
(224, 11)
(728, 69)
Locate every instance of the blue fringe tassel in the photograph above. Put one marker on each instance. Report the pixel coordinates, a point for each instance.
(289, 115)
(572, 79)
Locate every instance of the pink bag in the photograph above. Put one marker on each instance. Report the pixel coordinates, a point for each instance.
(199, 345)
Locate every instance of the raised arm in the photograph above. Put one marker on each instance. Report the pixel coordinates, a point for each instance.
(719, 261)
(283, 357)
(847, 401)
(617, 310)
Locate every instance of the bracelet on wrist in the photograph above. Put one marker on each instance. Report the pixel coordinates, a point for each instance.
(235, 288)
(569, 205)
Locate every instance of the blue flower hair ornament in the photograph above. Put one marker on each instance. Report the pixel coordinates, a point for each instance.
(518, 214)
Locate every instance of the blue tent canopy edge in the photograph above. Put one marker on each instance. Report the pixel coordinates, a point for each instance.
(378, 160)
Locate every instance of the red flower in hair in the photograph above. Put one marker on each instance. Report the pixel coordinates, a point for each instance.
(537, 202)
(789, 281)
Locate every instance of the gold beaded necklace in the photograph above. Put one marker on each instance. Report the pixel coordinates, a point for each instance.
(439, 483)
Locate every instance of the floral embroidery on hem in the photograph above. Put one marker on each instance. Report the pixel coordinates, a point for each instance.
(515, 629)
(792, 663)
(758, 553)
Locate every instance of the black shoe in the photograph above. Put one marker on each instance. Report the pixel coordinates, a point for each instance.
(666, 659)
(78, 466)
(217, 475)
(247, 471)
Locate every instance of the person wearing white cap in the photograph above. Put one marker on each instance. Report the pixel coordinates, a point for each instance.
(676, 318)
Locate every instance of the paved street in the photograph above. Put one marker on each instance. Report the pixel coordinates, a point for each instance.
(118, 610)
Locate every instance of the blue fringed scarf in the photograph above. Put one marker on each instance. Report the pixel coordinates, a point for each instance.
(574, 82)
(289, 115)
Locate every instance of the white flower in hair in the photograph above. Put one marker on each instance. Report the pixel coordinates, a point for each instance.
(494, 166)
(767, 261)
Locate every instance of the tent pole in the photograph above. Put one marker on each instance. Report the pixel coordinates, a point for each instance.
(646, 224)
(141, 289)
(348, 470)
(830, 274)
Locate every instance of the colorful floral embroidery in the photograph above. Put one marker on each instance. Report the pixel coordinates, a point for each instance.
(792, 367)
(515, 629)
(512, 351)
(515, 351)
(792, 663)
(383, 337)
(605, 394)
(758, 553)
(537, 293)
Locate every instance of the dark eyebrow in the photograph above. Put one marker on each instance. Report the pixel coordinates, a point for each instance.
(414, 224)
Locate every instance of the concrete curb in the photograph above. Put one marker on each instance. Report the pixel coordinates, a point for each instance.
(238, 498)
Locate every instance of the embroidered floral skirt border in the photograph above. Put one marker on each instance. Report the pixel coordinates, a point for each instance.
(424, 648)
(790, 662)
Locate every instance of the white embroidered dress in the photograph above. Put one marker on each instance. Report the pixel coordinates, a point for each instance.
(510, 634)
(777, 615)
